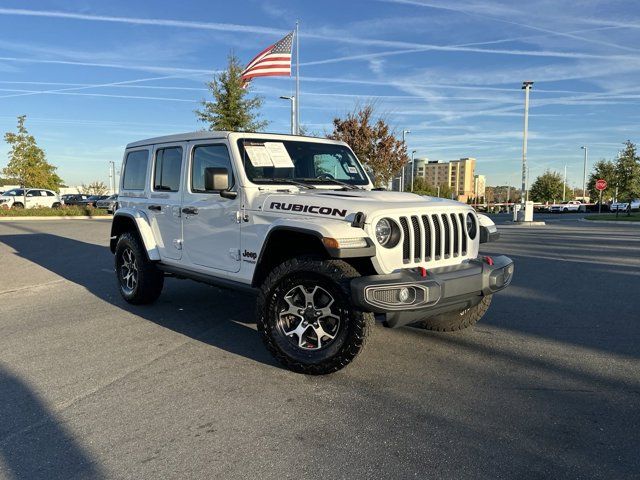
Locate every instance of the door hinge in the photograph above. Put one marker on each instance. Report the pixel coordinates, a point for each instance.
(235, 254)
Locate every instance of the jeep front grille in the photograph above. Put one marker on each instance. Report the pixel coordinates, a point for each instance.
(433, 237)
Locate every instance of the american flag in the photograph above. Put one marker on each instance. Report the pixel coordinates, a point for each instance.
(274, 60)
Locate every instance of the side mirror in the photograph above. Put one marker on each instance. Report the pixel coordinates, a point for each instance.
(216, 179)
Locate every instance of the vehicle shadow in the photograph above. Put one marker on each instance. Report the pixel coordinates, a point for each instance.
(33, 443)
(221, 318)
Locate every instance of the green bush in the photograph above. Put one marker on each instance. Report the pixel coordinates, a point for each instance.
(65, 211)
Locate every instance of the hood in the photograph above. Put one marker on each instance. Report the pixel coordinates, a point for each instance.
(341, 203)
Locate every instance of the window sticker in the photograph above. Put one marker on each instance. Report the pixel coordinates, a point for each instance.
(259, 156)
(352, 170)
(279, 155)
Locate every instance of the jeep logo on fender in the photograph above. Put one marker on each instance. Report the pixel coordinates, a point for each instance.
(296, 207)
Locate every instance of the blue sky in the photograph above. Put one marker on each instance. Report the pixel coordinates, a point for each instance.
(93, 76)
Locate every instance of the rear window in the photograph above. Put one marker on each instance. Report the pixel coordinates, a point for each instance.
(135, 170)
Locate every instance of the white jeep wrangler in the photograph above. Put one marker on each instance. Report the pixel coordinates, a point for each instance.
(296, 220)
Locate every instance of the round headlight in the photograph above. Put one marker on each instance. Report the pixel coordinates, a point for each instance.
(383, 231)
(472, 227)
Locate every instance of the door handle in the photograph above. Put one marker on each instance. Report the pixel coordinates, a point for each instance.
(155, 208)
(190, 210)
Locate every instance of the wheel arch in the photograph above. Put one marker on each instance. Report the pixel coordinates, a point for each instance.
(133, 221)
(284, 242)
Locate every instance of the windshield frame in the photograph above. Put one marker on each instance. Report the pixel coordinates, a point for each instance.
(363, 182)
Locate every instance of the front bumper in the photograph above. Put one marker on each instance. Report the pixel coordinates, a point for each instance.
(408, 296)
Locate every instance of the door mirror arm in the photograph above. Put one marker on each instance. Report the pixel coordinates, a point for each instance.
(228, 194)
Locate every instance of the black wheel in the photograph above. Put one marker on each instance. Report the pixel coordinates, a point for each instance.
(565, 210)
(139, 280)
(17, 205)
(306, 317)
(452, 321)
(56, 205)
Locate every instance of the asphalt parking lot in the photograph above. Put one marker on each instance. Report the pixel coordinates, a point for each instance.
(546, 386)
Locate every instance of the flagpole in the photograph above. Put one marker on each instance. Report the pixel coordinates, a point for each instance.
(297, 101)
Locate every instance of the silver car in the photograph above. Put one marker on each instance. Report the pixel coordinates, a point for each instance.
(110, 203)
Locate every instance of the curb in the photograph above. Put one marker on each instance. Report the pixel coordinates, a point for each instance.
(69, 217)
(527, 224)
(609, 222)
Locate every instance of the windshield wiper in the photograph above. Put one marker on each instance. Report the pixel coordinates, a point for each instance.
(285, 180)
(337, 182)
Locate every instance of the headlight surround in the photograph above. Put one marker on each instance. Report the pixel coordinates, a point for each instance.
(383, 231)
(387, 233)
(472, 225)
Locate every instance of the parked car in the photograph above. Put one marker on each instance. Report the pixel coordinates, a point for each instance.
(73, 198)
(110, 203)
(92, 200)
(570, 206)
(323, 251)
(35, 197)
(624, 206)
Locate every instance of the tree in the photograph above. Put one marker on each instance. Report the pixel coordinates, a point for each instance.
(547, 187)
(628, 172)
(231, 109)
(605, 169)
(94, 188)
(373, 141)
(27, 162)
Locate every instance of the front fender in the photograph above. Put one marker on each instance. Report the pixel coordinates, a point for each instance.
(124, 220)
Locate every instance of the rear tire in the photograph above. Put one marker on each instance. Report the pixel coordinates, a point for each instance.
(17, 205)
(139, 280)
(306, 318)
(453, 321)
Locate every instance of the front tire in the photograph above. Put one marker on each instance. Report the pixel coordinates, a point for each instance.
(453, 321)
(139, 280)
(306, 318)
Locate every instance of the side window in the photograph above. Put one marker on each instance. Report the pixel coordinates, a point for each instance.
(135, 170)
(33, 193)
(166, 173)
(208, 156)
(50, 194)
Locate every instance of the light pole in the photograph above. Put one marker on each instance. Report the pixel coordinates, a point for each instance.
(564, 184)
(526, 86)
(584, 174)
(413, 152)
(292, 99)
(404, 135)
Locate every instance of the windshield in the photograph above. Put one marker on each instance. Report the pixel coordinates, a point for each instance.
(288, 161)
(13, 193)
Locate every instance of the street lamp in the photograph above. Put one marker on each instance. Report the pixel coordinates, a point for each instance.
(292, 99)
(413, 152)
(584, 174)
(526, 86)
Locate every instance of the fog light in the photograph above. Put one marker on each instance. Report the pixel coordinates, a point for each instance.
(404, 294)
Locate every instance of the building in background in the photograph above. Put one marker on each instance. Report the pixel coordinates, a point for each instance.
(457, 174)
(479, 188)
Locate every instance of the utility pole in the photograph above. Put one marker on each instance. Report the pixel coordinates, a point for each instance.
(292, 99)
(526, 86)
(413, 152)
(584, 174)
(564, 184)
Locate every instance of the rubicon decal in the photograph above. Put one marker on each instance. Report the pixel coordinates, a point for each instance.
(296, 207)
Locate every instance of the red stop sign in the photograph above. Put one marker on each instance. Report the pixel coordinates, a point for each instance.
(601, 184)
